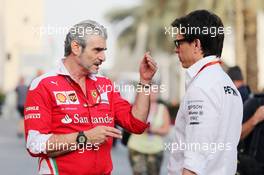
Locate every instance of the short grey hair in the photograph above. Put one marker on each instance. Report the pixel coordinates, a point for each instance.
(80, 32)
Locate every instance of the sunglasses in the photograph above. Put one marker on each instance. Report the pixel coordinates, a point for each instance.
(178, 42)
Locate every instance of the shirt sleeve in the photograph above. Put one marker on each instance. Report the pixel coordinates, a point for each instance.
(124, 117)
(37, 120)
(201, 130)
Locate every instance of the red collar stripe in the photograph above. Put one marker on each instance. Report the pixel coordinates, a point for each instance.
(207, 65)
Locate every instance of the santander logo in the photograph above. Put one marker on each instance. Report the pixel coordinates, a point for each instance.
(66, 119)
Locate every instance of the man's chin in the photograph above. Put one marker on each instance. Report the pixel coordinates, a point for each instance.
(93, 71)
(183, 65)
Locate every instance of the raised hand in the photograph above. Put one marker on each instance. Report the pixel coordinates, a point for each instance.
(147, 69)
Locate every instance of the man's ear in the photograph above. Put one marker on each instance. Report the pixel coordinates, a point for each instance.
(197, 43)
(76, 48)
(198, 46)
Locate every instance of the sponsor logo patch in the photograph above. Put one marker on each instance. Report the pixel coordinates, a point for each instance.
(72, 97)
(54, 82)
(77, 119)
(66, 97)
(66, 119)
(195, 111)
(32, 116)
(230, 90)
(104, 98)
(61, 97)
(95, 96)
(32, 108)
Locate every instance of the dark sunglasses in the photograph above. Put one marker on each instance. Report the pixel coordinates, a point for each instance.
(178, 42)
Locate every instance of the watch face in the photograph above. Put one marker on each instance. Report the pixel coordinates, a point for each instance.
(82, 139)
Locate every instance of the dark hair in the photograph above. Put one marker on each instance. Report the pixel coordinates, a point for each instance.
(235, 73)
(199, 25)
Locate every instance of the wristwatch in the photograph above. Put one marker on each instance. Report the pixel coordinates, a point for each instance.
(81, 138)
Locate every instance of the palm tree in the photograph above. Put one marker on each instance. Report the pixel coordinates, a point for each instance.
(147, 30)
(155, 15)
(148, 23)
(250, 35)
(240, 50)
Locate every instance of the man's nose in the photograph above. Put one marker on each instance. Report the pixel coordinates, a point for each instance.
(102, 57)
(176, 50)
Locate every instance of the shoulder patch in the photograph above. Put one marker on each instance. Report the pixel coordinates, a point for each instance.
(35, 82)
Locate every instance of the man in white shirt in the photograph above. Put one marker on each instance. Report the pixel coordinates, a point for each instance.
(208, 123)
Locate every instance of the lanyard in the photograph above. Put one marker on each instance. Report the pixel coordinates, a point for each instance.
(207, 65)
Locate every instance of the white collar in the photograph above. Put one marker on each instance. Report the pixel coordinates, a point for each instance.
(62, 70)
(192, 71)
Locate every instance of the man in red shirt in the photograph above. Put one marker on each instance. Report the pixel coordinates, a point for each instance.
(70, 112)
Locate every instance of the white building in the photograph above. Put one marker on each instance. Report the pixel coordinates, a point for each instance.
(18, 42)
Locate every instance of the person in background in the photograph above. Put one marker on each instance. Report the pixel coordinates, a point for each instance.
(252, 137)
(236, 76)
(146, 150)
(21, 93)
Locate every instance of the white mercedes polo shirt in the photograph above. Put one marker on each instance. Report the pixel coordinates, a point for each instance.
(208, 123)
